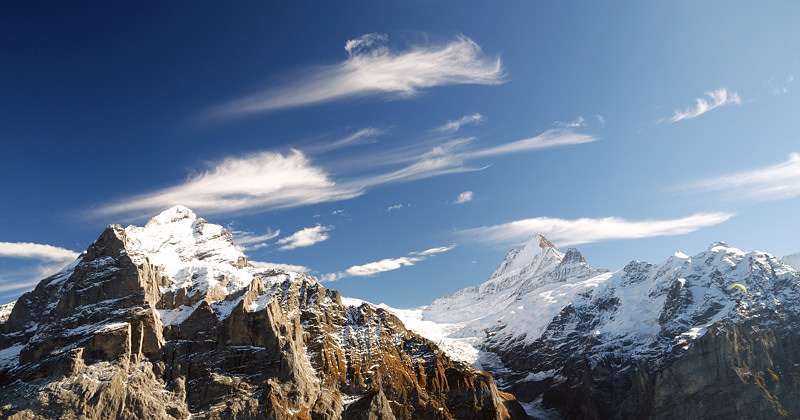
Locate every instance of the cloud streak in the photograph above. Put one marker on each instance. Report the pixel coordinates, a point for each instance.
(306, 237)
(36, 251)
(453, 126)
(272, 180)
(776, 182)
(565, 232)
(716, 98)
(363, 136)
(371, 69)
(266, 180)
(548, 139)
(247, 240)
(285, 267)
(387, 264)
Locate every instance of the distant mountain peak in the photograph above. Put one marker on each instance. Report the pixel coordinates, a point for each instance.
(543, 328)
(537, 255)
(792, 260)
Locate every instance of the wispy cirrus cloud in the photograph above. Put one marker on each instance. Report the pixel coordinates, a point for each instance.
(782, 87)
(363, 136)
(388, 264)
(248, 240)
(305, 237)
(265, 180)
(272, 180)
(577, 123)
(564, 232)
(354, 46)
(776, 182)
(715, 98)
(453, 126)
(36, 251)
(6, 286)
(548, 139)
(372, 68)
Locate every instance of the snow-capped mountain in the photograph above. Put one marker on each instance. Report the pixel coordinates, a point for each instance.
(792, 260)
(594, 344)
(169, 320)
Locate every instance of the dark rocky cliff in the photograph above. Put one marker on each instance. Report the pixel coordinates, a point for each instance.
(102, 339)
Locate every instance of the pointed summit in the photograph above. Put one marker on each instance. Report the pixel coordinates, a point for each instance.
(541, 241)
(172, 215)
(178, 236)
(538, 255)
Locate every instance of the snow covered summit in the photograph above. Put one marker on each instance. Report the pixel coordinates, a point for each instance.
(595, 344)
(522, 271)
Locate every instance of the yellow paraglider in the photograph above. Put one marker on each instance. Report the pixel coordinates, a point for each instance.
(738, 285)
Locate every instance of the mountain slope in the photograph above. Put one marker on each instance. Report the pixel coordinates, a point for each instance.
(170, 321)
(648, 341)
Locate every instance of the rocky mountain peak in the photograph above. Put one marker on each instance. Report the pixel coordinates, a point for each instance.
(172, 215)
(168, 321)
(596, 344)
(538, 255)
(573, 256)
(177, 237)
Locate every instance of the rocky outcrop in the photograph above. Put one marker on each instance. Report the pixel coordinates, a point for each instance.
(169, 321)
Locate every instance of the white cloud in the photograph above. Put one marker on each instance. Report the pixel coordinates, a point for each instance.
(434, 251)
(363, 42)
(272, 180)
(451, 157)
(784, 87)
(550, 138)
(371, 71)
(579, 122)
(306, 237)
(572, 232)
(716, 98)
(453, 126)
(36, 251)
(5, 287)
(285, 267)
(254, 241)
(774, 182)
(267, 180)
(394, 207)
(425, 168)
(363, 136)
(464, 197)
(388, 264)
(376, 267)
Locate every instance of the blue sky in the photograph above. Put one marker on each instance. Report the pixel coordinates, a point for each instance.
(398, 150)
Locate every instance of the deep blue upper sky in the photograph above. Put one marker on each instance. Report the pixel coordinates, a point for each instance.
(398, 150)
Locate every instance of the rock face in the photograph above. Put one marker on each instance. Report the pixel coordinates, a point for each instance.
(170, 321)
(669, 340)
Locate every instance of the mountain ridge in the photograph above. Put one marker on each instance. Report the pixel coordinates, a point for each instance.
(545, 329)
(169, 320)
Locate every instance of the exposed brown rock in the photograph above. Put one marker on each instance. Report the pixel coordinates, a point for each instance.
(93, 345)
